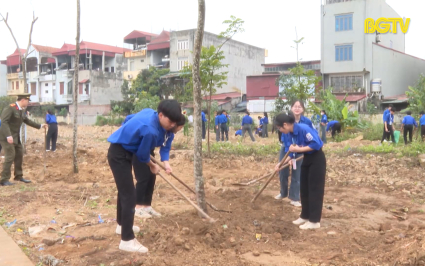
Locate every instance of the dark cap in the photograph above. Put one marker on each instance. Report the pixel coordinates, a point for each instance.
(24, 96)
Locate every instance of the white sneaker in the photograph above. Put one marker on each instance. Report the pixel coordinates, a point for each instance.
(152, 212)
(133, 246)
(295, 203)
(141, 213)
(47, 150)
(299, 221)
(278, 197)
(309, 225)
(136, 229)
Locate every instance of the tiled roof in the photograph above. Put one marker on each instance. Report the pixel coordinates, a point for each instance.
(44, 49)
(102, 47)
(140, 34)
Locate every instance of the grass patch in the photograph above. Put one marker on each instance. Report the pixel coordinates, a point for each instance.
(371, 131)
(92, 204)
(26, 188)
(243, 149)
(345, 135)
(411, 150)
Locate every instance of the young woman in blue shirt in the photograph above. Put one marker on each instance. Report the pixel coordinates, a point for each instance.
(407, 126)
(138, 137)
(264, 131)
(323, 122)
(313, 169)
(297, 109)
(52, 132)
(422, 124)
(388, 126)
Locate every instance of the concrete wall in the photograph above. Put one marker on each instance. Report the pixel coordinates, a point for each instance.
(93, 110)
(3, 80)
(243, 59)
(105, 87)
(397, 70)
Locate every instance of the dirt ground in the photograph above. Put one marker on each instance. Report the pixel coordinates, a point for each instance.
(373, 212)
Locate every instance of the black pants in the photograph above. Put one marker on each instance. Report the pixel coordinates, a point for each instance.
(279, 134)
(145, 181)
(336, 129)
(312, 187)
(224, 130)
(0, 148)
(385, 135)
(407, 129)
(120, 162)
(264, 131)
(422, 132)
(204, 131)
(52, 135)
(389, 134)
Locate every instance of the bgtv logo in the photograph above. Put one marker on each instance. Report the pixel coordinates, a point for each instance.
(385, 25)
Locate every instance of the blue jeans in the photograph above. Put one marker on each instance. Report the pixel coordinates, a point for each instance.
(294, 190)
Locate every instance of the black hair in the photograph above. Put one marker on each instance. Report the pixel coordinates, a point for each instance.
(259, 117)
(171, 109)
(50, 112)
(390, 106)
(422, 113)
(323, 111)
(408, 112)
(246, 112)
(392, 109)
(284, 118)
(265, 114)
(181, 122)
(301, 103)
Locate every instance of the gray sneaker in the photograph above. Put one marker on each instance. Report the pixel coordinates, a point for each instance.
(141, 213)
(152, 212)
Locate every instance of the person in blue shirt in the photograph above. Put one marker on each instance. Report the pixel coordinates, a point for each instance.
(52, 132)
(264, 131)
(204, 121)
(323, 122)
(306, 140)
(334, 126)
(407, 126)
(386, 112)
(246, 126)
(138, 136)
(223, 125)
(238, 132)
(388, 126)
(422, 124)
(297, 110)
(217, 126)
(260, 125)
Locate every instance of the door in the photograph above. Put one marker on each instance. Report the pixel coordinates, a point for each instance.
(80, 89)
(62, 88)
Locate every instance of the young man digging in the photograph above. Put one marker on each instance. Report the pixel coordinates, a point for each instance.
(138, 136)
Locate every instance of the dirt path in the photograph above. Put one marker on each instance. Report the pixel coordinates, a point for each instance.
(373, 211)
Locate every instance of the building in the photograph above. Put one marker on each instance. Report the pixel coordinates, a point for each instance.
(242, 59)
(358, 63)
(3, 78)
(148, 49)
(14, 76)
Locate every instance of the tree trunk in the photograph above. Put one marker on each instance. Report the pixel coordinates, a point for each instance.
(76, 68)
(209, 111)
(197, 103)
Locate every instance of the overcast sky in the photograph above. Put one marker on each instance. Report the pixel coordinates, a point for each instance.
(269, 24)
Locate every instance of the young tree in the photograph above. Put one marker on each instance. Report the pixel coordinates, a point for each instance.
(149, 80)
(23, 58)
(416, 96)
(299, 84)
(197, 103)
(76, 68)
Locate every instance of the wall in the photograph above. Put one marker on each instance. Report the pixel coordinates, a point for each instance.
(105, 87)
(3, 80)
(91, 110)
(243, 59)
(397, 70)
(138, 64)
(261, 86)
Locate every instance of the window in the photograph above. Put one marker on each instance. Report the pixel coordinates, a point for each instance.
(13, 85)
(344, 22)
(70, 87)
(344, 53)
(182, 62)
(80, 88)
(183, 45)
(46, 84)
(87, 89)
(17, 85)
(33, 88)
(62, 88)
(346, 83)
(112, 69)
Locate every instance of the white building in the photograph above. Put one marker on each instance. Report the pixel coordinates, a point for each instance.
(351, 58)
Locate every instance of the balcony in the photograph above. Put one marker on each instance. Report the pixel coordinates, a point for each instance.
(46, 100)
(12, 76)
(135, 54)
(15, 92)
(67, 97)
(46, 77)
(84, 97)
(337, 1)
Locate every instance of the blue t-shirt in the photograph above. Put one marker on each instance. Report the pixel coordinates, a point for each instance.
(222, 119)
(387, 111)
(204, 119)
(238, 132)
(409, 120)
(261, 121)
(331, 124)
(216, 120)
(422, 120)
(286, 138)
(141, 133)
(265, 120)
(389, 118)
(51, 119)
(303, 136)
(246, 120)
(324, 119)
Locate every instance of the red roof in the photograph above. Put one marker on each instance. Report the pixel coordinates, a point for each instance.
(291, 63)
(84, 81)
(66, 47)
(44, 49)
(160, 42)
(223, 96)
(14, 59)
(94, 48)
(140, 34)
(222, 102)
(351, 98)
(397, 97)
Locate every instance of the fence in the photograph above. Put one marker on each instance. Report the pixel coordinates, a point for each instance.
(87, 120)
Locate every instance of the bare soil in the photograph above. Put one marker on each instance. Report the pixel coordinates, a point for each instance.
(373, 212)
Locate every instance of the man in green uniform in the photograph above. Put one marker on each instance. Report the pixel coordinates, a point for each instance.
(11, 121)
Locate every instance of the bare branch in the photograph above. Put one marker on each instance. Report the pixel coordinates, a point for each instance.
(29, 39)
(11, 32)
